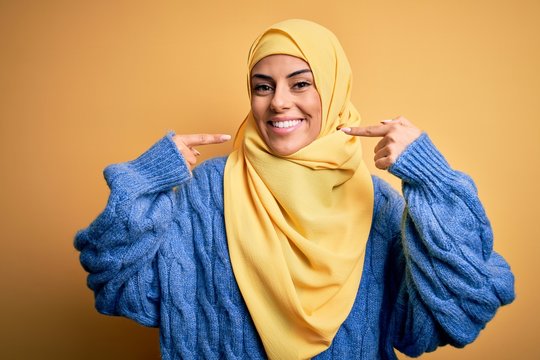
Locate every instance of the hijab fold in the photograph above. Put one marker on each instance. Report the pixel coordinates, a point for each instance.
(297, 225)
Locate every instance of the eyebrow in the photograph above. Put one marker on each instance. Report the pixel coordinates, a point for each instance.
(293, 74)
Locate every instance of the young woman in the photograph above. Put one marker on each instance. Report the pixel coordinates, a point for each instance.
(288, 248)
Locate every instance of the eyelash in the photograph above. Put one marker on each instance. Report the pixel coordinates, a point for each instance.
(263, 88)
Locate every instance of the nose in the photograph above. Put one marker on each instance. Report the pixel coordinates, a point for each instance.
(281, 100)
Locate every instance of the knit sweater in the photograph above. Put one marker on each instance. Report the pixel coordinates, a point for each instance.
(158, 254)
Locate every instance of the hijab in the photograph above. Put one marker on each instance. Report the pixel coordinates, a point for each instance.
(297, 225)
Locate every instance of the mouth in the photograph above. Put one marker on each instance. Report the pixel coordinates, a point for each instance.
(285, 124)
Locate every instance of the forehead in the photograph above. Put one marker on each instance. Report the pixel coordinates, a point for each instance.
(279, 64)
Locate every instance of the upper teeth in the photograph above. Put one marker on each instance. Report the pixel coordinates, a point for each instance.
(285, 124)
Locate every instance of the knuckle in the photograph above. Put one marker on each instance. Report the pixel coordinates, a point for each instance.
(178, 140)
(391, 136)
(191, 160)
(183, 147)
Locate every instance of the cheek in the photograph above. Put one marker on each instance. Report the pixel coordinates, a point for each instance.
(258, 111)
(257, 108)
(253, 106)
(316, 110)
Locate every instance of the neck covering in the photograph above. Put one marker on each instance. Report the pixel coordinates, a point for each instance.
(297, 225)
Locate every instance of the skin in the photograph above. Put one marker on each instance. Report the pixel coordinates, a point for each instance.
(186, 145)
(278, 96)
(396, 135)
(283, 93)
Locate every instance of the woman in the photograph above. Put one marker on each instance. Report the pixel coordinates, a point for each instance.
(288, 248)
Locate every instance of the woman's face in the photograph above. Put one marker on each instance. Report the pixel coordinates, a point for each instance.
(285, 103)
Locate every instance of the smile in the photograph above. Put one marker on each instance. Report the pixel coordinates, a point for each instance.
(285, 124)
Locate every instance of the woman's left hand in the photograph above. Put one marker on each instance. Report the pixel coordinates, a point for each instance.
(396, 135)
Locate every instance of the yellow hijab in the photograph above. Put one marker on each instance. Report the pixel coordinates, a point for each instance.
(297, 225)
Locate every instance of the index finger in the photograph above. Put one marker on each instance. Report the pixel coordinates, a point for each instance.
(204, 139)
(369, 131)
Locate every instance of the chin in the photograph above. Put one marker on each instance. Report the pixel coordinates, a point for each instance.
(283, 152)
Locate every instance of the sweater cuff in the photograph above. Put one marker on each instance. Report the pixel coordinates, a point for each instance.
(160, 168)
(422, 164)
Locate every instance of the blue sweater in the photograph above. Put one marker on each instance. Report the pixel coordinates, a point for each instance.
(158, 255)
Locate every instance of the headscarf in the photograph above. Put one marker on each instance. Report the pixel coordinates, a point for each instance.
(297, 225)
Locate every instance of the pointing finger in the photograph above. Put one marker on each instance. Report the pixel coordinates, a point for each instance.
(203, 139)
(369, 131)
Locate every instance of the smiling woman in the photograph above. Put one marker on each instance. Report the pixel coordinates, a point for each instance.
(288, 248)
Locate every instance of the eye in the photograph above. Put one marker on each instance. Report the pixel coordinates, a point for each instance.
(262, 88)
(301, 84)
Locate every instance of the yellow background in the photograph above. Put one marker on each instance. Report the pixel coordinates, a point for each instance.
(87, 83)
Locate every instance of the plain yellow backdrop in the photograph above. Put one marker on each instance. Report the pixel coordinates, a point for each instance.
(88, 83)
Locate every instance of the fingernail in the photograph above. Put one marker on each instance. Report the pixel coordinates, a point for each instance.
(225, 137)
(196, 152)
(386, 121)
(346, 130)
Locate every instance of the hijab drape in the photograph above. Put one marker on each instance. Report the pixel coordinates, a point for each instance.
(297, 225)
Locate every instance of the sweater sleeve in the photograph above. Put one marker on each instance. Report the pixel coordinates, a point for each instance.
(451, 282)
(119, 248)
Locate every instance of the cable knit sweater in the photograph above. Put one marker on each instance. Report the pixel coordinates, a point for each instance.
(158, 255)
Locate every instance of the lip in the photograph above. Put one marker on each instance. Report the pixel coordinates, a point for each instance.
(286, 118)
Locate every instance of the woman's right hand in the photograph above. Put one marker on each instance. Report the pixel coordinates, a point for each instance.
(186, 144)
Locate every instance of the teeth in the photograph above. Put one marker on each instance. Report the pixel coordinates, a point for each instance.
(285, 124)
